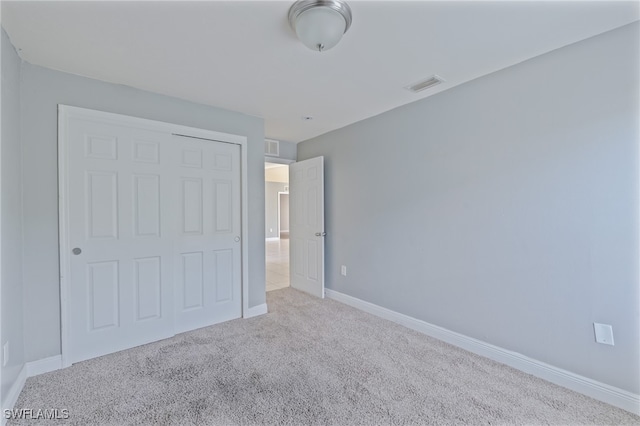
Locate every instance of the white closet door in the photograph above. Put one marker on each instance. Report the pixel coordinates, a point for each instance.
(154, 233)
(121, 287)
(207, 239)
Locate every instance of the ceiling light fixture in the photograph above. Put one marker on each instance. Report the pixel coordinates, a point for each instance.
(320, 24)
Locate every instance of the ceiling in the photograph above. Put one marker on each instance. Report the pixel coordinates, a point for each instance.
(243, 56)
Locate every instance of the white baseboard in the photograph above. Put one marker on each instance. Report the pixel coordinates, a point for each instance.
(14, 392)
(272, 239)
(597, 390)
(45, 365)
(255, 311)
(30, 369)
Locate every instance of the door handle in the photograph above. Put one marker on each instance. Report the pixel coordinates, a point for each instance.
(320, 234)
(76, 251)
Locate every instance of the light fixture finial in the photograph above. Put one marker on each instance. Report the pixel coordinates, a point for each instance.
(320, 24)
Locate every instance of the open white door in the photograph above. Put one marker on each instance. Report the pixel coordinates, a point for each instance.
(306, 225)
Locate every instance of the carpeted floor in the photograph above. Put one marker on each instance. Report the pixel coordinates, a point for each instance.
(308, 361)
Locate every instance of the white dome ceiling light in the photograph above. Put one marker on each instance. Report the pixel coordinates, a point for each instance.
(320, 24)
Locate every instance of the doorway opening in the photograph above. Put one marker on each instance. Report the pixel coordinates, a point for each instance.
(277, 225)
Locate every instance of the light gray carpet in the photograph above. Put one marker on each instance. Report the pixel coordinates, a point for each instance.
(308, 361)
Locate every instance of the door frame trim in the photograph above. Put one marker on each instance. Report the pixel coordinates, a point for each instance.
(280, 194)
(65, 113)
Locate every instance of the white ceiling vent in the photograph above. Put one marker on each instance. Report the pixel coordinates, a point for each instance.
(271, 148)
(428, 83)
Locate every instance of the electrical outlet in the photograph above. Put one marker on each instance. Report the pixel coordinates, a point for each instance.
(5, 354)
(270, 229)
(604, 333)
(343, 270)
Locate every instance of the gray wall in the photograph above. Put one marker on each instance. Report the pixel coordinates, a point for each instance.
(11, 214)
(42, 90)
(288, 151)
(271, 207)
(513, 201)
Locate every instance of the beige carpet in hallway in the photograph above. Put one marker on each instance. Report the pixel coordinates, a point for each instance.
(307, 361)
